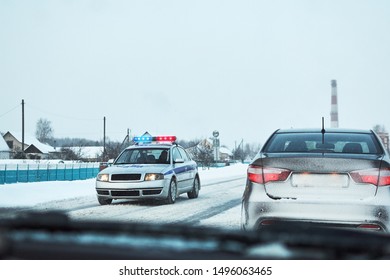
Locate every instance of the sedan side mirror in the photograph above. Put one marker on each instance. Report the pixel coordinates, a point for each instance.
(179, 160)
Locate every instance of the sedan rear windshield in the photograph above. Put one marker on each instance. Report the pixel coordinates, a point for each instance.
(349, 143)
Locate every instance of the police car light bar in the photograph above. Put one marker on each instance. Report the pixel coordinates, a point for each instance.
(165, 138)
(149, 139)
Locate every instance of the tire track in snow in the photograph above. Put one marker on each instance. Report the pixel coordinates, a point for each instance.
(209, 212)
(211, 201)
(144, 203)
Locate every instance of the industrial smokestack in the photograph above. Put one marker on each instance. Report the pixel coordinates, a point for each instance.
(334, 114)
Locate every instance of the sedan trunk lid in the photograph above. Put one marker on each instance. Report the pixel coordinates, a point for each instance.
(321, 176)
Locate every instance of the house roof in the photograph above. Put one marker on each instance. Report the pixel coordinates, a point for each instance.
(225, 151)
(222, 149)
(30, 140)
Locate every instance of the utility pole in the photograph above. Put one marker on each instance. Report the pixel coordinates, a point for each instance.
(23, 126)
(104, 138)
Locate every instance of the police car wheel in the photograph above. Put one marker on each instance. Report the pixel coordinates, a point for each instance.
(194, 193)
(104, 201)
(172, 192)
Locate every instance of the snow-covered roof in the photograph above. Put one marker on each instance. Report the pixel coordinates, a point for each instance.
(44, 148)
(30, 140)
(225, 150)
(88, 151)
(222, 149)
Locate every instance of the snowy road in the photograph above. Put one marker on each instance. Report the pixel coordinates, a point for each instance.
(218, 204)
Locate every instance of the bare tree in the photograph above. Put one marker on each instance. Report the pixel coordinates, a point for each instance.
(243, 152)
(203, 153)
(252, 149)
(113, 149)
(379, 128)
(44, 131)
(69, 154)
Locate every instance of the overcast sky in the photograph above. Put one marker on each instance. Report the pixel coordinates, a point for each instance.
(244, 68)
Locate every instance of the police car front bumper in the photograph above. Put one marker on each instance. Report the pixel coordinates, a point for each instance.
(135, 190)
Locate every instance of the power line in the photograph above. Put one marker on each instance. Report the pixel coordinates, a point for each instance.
(62, 116)
(9, 111)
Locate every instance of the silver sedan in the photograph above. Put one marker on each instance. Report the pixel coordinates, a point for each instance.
(334, 177)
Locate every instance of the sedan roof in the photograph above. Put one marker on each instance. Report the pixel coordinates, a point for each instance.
(334, 130)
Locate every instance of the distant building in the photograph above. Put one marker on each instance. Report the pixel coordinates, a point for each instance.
(32, 147)
(5, 151)
(225, 154)
(206, 145)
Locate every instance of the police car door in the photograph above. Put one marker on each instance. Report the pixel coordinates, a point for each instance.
(190, 167)
(179, 167)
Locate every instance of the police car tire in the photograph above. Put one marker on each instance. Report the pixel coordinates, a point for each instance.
(104, 201)
(194, 193)
(172, 192)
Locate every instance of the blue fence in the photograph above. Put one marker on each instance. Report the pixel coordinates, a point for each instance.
(14, 173)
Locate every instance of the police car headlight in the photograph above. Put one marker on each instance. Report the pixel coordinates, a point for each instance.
(153, 176)
(102, 177)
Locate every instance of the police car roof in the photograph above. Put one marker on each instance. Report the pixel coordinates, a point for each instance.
(152, 145)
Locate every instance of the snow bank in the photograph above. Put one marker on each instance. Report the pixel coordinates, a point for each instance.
(30, 194)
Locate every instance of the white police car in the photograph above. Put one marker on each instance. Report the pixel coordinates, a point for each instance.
(152, 168)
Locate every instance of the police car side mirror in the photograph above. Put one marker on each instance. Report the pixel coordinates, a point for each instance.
(179, 160)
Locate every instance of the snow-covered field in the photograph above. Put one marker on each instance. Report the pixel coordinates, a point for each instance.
(32, 194)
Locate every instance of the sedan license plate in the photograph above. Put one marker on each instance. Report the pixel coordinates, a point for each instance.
(320, 180)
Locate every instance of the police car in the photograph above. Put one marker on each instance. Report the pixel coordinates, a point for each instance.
(155, 167)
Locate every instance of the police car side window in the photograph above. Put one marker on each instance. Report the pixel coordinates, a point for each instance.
(176, 154)
(183, 154)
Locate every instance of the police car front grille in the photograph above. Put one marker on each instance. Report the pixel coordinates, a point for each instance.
(125, 177)
(125, 193)
(135, 193)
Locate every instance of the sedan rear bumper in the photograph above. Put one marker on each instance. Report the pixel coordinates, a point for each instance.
(370, 213)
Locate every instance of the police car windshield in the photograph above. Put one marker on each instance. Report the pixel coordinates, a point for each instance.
(144, 156)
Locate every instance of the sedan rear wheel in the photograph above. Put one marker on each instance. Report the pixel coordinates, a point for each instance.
(194, 193)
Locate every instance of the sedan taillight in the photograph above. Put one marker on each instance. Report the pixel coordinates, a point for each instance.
(374, 176)
(384, 177)
(262, 175)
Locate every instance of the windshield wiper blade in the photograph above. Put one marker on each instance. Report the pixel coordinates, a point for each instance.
(334, 243)
(53, 235)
